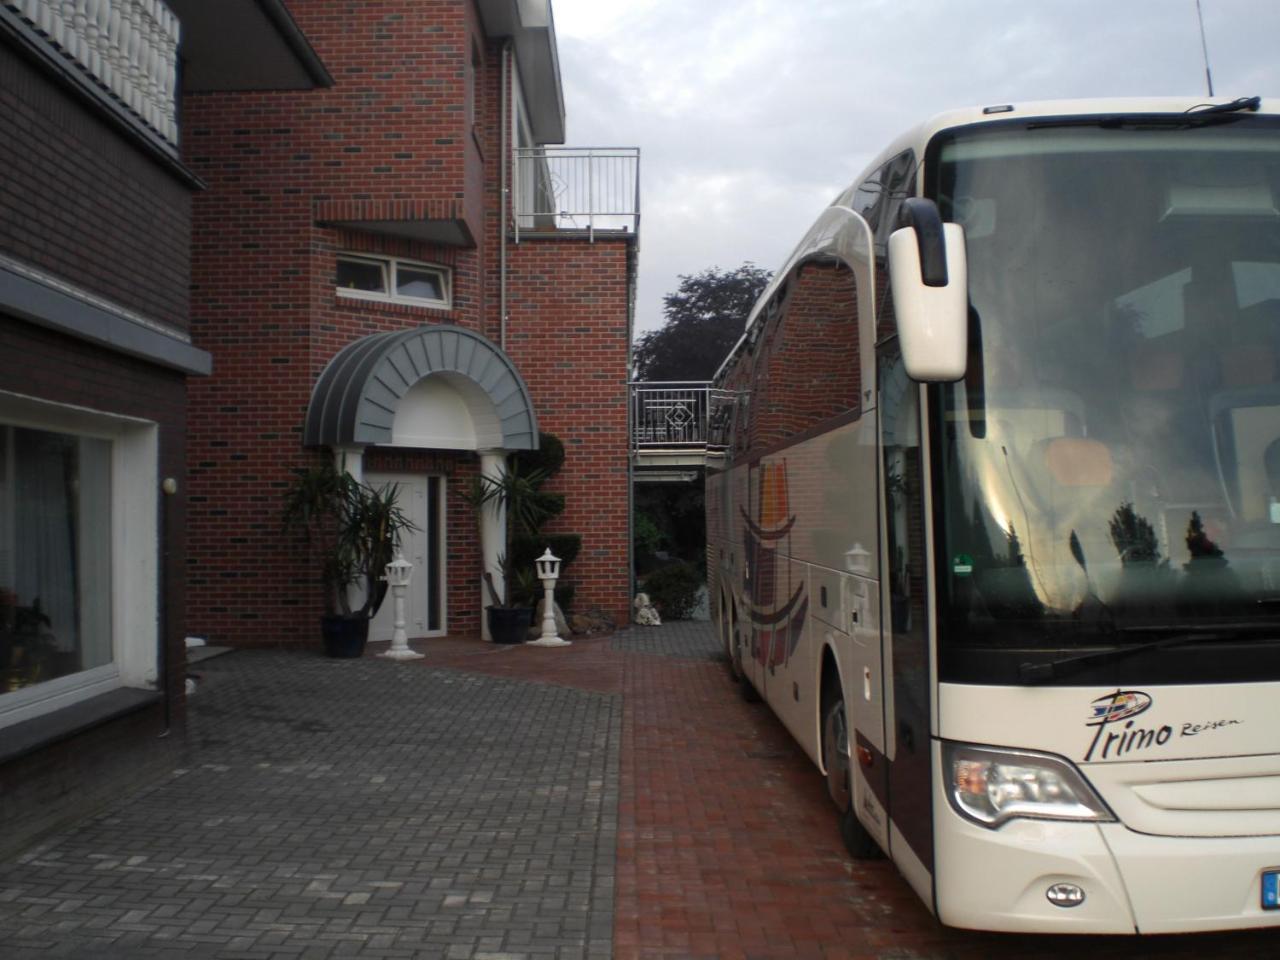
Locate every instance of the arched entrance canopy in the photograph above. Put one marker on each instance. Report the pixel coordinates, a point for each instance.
(355, 401)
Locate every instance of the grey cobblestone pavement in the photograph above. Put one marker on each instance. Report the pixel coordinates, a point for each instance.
(679, 640)
(346, 809)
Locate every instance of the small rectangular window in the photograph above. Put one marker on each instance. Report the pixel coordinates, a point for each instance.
(392, 280)
(368, 276)
(419, 284)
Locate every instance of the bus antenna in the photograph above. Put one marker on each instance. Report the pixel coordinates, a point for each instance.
(1204, 46)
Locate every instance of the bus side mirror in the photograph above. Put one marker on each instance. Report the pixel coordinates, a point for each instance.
(929, 276)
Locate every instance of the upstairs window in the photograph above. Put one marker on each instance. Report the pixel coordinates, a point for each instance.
(392, 280)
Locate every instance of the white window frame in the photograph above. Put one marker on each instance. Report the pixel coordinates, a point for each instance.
(135, 543)
(390, 266)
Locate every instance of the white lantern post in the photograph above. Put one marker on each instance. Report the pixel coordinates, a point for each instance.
(548, 567)
(398, 574)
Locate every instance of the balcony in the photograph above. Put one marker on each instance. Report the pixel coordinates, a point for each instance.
(676, 426)
(580, 189)
(124, 50)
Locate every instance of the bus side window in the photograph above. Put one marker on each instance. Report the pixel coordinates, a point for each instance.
(761, 432)
(898, 178)
(744, 405)
(815, 371)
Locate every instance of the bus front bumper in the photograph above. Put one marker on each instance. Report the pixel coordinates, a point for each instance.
(1132, 882)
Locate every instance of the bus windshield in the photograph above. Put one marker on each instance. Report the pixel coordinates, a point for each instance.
(1108, 472)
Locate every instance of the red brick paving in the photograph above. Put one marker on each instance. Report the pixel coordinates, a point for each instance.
(727, 845)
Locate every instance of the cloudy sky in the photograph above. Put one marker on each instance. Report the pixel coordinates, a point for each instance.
(752, 114)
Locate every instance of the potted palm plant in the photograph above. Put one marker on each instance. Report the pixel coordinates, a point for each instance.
(352, 530)
(510, 611)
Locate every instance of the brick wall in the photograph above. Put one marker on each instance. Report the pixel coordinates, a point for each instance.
(567, 333)
(387, 141)
(79, 201)
(392, 139)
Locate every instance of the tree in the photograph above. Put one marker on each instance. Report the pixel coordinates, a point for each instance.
(703, 320)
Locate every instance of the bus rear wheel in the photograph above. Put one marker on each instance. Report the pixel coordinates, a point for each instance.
(745, 686)
(728, 635)
(838, 758)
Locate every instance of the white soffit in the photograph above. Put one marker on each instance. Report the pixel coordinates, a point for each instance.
(531, 27)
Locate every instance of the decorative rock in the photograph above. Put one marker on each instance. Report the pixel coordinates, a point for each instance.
(646, 613)
(592, 622)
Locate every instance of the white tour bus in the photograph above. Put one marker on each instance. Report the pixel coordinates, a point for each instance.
(997, 528)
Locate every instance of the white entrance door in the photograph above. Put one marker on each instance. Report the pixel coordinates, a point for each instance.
(421, 498)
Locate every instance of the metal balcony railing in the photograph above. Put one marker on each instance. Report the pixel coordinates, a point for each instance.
(577, 188)
(674, 416)
(129, 48)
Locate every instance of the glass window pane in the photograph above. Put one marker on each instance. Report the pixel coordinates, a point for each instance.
(1257, 283)
(55, 556)
(419, 284)
(362, 275)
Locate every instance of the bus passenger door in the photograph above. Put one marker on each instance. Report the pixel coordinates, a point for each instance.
(904, 623)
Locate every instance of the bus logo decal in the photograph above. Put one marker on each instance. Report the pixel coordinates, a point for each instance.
(1123, 705)
(1118, 706)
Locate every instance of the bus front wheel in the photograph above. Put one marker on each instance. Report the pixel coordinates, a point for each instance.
(837, 755)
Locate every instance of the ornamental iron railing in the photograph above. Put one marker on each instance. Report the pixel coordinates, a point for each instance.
(677, 416)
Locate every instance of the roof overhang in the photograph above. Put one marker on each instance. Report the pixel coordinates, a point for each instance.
(245, 45)
(446, 233)
(531, 27)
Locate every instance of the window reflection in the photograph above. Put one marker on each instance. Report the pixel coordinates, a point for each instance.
(55, 556)
(807, 369)
(1113, 457)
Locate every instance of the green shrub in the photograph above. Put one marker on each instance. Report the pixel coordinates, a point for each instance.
(549, 457)
(674, 589)
(527, 549)
(646, 540)
(527, 546)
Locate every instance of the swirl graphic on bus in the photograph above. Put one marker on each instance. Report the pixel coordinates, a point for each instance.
(777, 623)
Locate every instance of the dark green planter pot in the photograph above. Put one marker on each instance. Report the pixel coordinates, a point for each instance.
(509, 624)
(344, 637)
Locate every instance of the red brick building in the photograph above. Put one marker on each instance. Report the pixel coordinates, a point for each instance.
(95, 355)
(396, 271)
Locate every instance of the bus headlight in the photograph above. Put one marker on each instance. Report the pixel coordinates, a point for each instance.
(991, 787)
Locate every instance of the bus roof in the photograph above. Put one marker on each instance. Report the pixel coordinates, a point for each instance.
(918, 137)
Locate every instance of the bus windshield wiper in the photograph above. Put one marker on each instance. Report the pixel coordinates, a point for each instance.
(1033, 673)
(1208, 113)
(1252, 104)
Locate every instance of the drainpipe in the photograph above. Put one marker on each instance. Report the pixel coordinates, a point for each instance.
(504, 188)
(168, 488)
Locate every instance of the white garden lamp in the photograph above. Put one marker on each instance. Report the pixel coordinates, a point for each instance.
(548, 567)
(398, 574)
